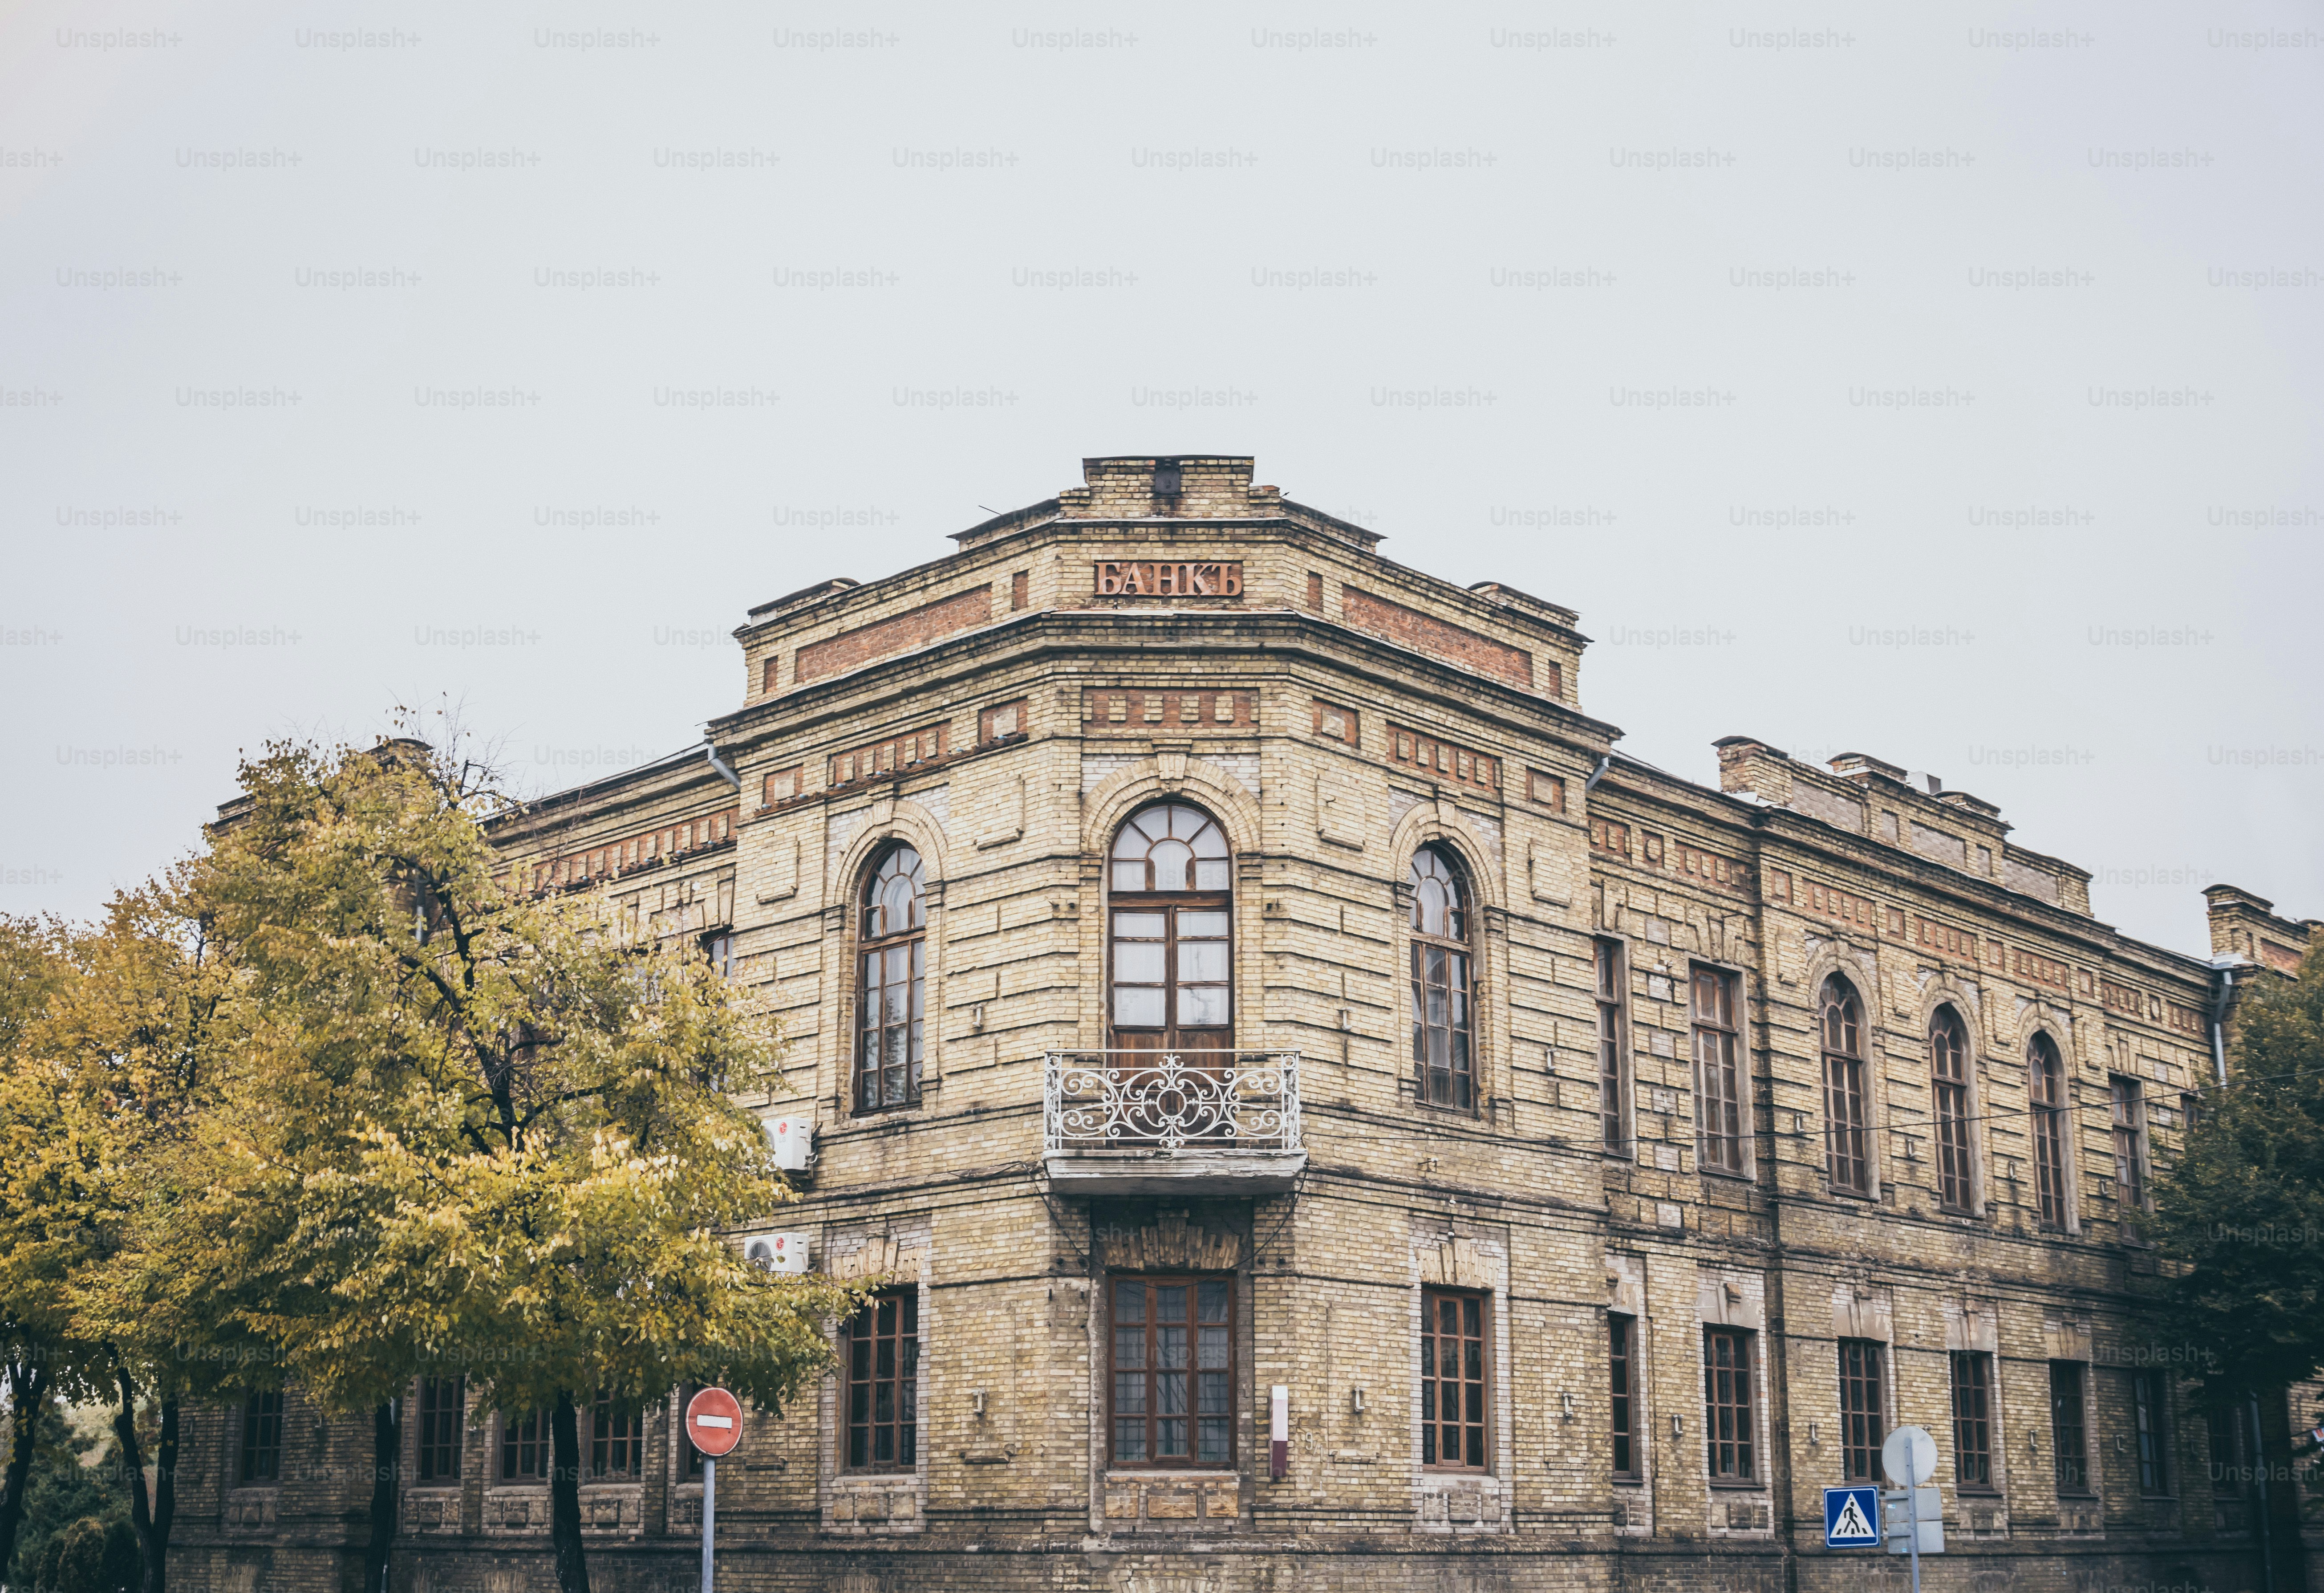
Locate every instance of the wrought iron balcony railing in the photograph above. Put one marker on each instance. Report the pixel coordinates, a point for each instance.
(1171, 1103)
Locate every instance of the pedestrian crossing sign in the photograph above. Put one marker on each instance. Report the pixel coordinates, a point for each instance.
(1851, 1518)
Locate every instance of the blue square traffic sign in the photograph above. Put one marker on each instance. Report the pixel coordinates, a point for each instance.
(1851, 1518)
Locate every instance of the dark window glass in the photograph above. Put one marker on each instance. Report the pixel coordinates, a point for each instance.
(1172, 1372)
(2229, 1430)
(262, 1438)
(1717, 1073)
(524, 1448)
(883, 1383)
(1949, 1072)
(1861, 1429)
(1612, 1025)
(2127, 1109)
(1443, 1031)
(1454, 1383)
(893, 955)
(1972, 1419)
(2149, 1398)
(2046, 1084)
(616, 1439)
(1730, 1437)
(443, 1402)
(1622, 1333)
(2068, 1437)
(1845, 1153)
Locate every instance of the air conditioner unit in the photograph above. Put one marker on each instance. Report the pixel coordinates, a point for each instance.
(779, 1253)
(793, 1137)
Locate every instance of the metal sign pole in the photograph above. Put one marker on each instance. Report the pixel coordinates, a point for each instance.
(710, 1519)
(1912, 1517)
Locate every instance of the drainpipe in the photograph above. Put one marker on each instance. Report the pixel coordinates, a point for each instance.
(710, 751)
(1597, 774)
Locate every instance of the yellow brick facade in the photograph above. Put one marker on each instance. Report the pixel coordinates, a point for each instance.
(1004, 716)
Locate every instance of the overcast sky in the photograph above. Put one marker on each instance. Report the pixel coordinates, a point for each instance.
(1940, 384)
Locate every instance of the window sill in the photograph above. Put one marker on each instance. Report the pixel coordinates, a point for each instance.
(1733, 1485)
(1456, 1471)
(1973, 1490)
(1166, 1473)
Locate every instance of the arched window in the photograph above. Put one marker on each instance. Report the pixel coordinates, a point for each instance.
(2045, 1086)
(891, 939)
(1172, 935)
(1443, 1048)
(1949, 1074)
(1845, 1137)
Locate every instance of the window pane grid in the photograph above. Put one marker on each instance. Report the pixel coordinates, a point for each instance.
(1861, 1430)
(2069, 1439)
(1722, 1141)
(1727, 1404)
(442, 1400)
(1610, 1025)
(2128, 1118)
(883, 1370)
(262, 1438)
(2146, 1402)
(1442, 1007)
(1453, 1397)
(1972, 1382)
(1949, 1072)
(1172, 1372)
(1845, 1136)
(893, 995)
(616, 1439)
(2046, 1086)
(1621, 1334)
(524, 1447)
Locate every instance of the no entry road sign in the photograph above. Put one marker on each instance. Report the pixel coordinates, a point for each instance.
(713, 1421)
(1851, 1518)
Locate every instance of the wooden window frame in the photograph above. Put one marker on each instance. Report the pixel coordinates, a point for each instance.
(1972, 1384)
(442, 1408)
(2045, 1090)
(1152, 1370)
(2150, 1431)
(1717, 1044)
(1476, 1430)
(1949, 1089)
(1863, 1408)
(863, 1379)
(1730, 1361)
(2069, 1429)
(1460, 1075)
(617, 1440)
(1625, 1426)
(261, 1456)
(2126, 1125)
(871, 1025)
(525, 1441)
(1616, 1113)
(1846, 1115)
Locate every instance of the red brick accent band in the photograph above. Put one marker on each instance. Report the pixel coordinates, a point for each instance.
(916, 627)
(1425, 633)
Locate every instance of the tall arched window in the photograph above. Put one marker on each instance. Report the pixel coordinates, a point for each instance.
(2045, 1086)
(891, 938)
(1443, 1031)
(1172, 931)
(1846, 1147)
(1949, 1074)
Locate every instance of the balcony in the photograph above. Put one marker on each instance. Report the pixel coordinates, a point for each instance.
(1197, 1123)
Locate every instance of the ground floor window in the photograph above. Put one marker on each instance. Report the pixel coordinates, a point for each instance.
(1171, 1399)
(1454, 1386)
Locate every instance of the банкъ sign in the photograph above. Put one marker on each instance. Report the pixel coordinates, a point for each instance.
(1149, 577)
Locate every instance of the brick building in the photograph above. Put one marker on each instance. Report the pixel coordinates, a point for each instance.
(1218, 959)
